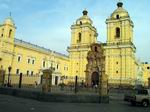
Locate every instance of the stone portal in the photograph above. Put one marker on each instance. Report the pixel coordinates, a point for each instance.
(95, 71)
(95, 78)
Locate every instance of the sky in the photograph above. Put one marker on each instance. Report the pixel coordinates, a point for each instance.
(47, 22)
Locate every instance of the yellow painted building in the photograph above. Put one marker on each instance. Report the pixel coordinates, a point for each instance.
(30, 59)
(146, 73)
(83, 34)
(120, 49)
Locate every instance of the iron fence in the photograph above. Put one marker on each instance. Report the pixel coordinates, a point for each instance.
(65, 85)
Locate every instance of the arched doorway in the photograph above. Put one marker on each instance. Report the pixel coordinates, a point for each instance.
(95, 78)
(56, 80)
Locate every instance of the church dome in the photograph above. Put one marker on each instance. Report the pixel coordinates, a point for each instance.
(9, 21)
(120, 12)
(84, 19)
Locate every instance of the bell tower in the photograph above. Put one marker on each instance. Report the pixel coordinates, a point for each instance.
(83, 34)
(7, 34)
(120, 49)
(119, 26)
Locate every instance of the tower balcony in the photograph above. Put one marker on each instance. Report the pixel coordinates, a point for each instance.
(85, 46)
(120, 43)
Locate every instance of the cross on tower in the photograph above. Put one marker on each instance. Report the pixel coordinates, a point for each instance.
(9, 14)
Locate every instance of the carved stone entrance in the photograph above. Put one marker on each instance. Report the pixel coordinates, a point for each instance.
(95, 78)
(95, 71)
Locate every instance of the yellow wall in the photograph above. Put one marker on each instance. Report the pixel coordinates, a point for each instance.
(7, 43)
(119, 51)
(78, 49)
(146, 73)
(12, 48)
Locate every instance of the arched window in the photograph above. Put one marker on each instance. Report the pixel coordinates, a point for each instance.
(95, 49)
(80, 22)
(10, 32)
(79, 37)
(44, 63)
(117, 32)
(117, 16)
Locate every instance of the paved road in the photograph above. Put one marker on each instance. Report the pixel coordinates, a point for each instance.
(14, 104)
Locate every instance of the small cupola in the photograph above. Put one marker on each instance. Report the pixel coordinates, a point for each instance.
(119, 4)
(84, 19)
(9, 21)
(85, 12)
(120, 12)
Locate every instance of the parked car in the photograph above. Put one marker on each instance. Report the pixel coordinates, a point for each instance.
(138, 96)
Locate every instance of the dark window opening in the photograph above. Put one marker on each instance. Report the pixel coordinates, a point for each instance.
(79, 37)
(117, 16)
(57, 66)
(28, 60)
(43, 63)
(17, 71)
(2, 33)
(56, 80)
(66, 77)
(19, 58)
(117, 62)
(148, 67)
(95, 49)
(143, 92)
(31, 73)
(33, 61)
(10, 32)
(116, 71)
(27, 72)
(80, 22)
(117, 32)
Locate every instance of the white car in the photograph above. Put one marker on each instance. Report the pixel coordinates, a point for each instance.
(141, 96)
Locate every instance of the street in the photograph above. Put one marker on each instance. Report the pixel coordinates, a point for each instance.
(15, 104)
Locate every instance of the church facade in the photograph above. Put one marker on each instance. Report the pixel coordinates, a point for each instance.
(30, 59)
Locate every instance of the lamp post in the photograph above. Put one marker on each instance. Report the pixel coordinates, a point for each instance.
(9, 70)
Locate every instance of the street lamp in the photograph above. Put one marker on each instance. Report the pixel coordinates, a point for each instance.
(9, 70)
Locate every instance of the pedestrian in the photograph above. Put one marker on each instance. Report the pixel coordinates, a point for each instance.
(95, 88)
(5, 83)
